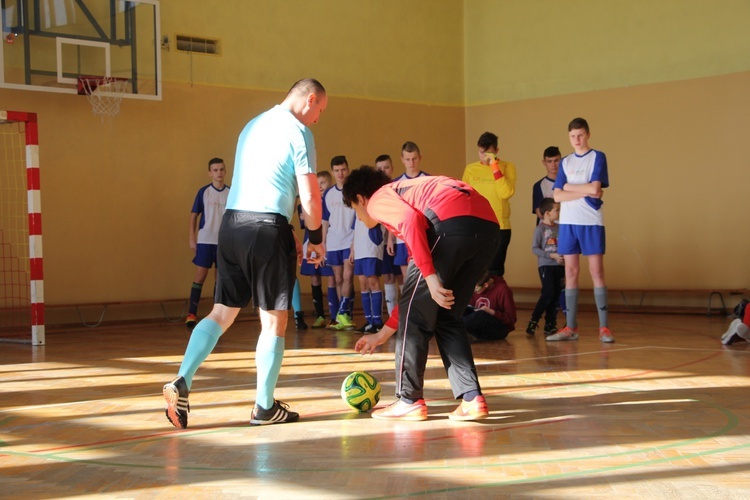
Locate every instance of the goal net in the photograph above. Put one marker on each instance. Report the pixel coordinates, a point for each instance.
(21, 283)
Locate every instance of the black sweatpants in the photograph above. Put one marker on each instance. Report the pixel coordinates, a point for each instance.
(462, 249)
(553, 282)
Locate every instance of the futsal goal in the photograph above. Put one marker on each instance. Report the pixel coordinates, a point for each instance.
(21, 276)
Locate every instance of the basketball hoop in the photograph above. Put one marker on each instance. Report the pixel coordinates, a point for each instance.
(104, 93)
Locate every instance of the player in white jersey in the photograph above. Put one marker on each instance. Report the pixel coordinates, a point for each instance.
(338, 233)
(367, 256)
(208, 209)
(411, 157)
(578, 188)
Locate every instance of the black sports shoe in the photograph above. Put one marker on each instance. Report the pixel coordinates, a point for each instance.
(550, 328)
(278, 414)
(176, 393)
(364, 328)
(531, 328)
(373, 328)
(299, 321)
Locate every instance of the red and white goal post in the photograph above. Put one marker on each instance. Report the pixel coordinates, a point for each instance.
(21, 265)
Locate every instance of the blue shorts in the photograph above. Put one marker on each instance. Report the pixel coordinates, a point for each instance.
(369, 266)
(308, 269)
(388, 266)
(337, 257)
(585, 240)
(205, 255)
(402, 255)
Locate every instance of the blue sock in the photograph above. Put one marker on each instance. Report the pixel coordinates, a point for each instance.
(296, 299)
(366, 306)
(269, 352)
(376, 301)
(345, 307)
(202, 341)
(333, 301)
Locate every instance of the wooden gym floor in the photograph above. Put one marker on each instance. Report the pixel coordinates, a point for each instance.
(663, 413)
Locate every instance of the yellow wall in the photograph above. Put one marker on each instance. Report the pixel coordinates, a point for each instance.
(672, 118)
(521, 49)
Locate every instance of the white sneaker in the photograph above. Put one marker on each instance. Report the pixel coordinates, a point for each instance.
(732, 334)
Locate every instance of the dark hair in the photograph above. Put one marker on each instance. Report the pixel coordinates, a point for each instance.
(577, 123)
(214, 160)
(324, 173)
(546, 205)
(410, 147)
(339, 160)
(382, 158)
(307, 86)
(363, 181)
(551, 152)
(487, 140)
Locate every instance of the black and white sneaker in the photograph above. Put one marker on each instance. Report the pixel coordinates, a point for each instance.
(176, 394)
(373, 328)
(278, 414)
(364, 328)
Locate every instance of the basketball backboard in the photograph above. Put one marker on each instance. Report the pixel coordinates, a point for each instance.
(48, 44)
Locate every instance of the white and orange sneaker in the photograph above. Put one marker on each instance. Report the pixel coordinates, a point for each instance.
(403, 411)
(606, 336)
(566, 333)
(476, 409)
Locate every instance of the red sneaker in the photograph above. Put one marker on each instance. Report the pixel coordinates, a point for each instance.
(471, 410)
(403, 411)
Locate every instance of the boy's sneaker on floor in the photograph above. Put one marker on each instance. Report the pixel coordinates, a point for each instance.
(566, 333)
(471, 410)
(191, 321)
(344, 322)
(176, 394)
(320, 322)
(373, 328)
(737, 331)
(364, 327)
(332, 325)
(606, 336)
(531, 327)
(550, 328)
(278, 414)
(299, 322)
(403, 411)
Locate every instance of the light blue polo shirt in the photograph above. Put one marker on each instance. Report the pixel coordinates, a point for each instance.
(272, 150)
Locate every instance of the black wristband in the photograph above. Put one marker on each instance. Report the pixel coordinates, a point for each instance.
(316, 235)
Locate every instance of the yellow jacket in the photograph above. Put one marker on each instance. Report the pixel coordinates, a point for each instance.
(496, 187)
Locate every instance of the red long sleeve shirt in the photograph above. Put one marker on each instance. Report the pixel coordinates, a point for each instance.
(408, 207)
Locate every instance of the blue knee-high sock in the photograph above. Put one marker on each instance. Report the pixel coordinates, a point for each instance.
(571, 301)
(367, 306)
(345, 307)
(269, 354)
(296, 299)
(202, 341)
(333, 301)
(376, 301)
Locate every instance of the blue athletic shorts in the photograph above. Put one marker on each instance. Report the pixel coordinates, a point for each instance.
(205, 255)
(337, 257)
(308, 269)
(388, 266)
(585, 240)
(369, 266)
(402, 255)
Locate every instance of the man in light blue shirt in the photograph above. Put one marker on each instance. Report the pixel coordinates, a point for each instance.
(257, 253)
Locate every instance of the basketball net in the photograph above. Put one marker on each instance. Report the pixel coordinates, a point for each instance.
(104, 93)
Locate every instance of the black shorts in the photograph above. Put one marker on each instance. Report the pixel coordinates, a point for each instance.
(257, 258)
